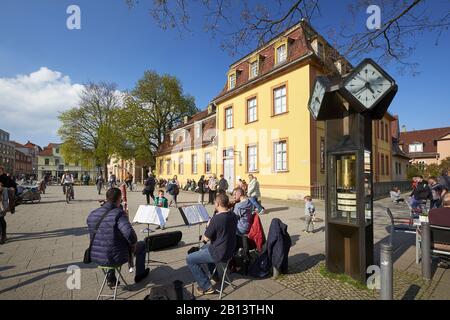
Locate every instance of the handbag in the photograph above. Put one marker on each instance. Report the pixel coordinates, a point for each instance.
(87, 253)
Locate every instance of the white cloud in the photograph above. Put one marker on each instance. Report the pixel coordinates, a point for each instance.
(30, 104)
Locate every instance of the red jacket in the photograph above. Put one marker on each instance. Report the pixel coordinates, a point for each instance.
(256, 234)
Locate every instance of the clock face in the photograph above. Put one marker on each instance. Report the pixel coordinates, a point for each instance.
(317, 98)
(368, 85)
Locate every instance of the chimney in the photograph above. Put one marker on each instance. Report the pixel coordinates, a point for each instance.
(403, 128)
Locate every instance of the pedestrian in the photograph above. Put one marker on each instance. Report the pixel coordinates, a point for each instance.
(8, 190)
(112, 180)
(420, 194)
(173, 189)
(436, 190)
(254, 193)
(129, 181)
(149, 188)
(99, 182)
(212, 186)
(223, 185)
(444, 182)
(201, 190)
(310, 214)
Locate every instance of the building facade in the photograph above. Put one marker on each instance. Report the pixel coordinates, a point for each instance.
(189, 150)
(33, 151)
(51, 163)
(7, 152)
(121, 168)
(23, 165)
(426, 146)
(263, 125)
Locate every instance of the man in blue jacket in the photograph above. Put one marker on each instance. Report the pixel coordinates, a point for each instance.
(115, 238)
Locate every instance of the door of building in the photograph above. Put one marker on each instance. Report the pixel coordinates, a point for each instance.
(228, 168)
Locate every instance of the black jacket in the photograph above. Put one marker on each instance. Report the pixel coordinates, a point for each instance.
(7, 182)
(278, 245)
(150, 184)
(422, 191)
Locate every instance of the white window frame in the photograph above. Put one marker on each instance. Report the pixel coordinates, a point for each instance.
(198, 131)
(254, 69)
(282, 55)
(229, 118)
(181, 166)
(208, 162)
(231, 81)
(280, 100)
(416, 147)
(252, 110)
(194, 163)
(280, 156)
(252, 158)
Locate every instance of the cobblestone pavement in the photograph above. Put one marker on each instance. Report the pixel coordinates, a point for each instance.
(45, 239)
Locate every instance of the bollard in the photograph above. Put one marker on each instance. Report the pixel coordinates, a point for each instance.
(426, 251)
(386, 272)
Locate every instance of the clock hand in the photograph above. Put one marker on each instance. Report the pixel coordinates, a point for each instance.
(370, 87)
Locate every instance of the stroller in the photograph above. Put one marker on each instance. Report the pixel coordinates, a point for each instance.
(27, 194)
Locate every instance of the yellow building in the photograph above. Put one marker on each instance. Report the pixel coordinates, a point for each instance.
(189, 150)
(263, 123)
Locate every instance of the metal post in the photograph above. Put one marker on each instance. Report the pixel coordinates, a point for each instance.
(386, 273)
(426, 251)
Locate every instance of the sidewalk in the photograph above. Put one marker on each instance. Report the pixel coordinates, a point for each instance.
(46, 238)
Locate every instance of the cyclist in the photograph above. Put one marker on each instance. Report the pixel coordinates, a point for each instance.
(66, 180)
(112, 180)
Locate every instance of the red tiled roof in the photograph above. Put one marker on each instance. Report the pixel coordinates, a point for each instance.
(48, 150)
(428, 137)
(30, 144)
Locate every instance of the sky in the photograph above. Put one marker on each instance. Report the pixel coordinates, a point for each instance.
(43, 65)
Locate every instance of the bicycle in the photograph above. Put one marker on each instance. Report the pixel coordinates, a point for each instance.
(69, 193)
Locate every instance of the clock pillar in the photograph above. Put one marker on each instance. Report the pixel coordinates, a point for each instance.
(349, 201)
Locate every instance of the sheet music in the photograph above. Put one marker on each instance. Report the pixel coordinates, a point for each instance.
(152, 215)
(195, 214)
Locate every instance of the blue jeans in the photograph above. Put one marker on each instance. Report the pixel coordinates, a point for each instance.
(255, 203)
(194, 262)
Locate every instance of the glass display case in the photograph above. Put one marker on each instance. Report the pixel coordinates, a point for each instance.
(345, 196)
(368, 204)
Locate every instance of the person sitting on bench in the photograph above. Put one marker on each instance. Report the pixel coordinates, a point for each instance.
(441, 216)
(395, 195)
(221, 231)
(115, 238)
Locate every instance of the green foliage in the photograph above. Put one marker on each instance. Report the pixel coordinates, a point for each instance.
(430, 170)
(342, 278)
(156, 105)
(87, 131)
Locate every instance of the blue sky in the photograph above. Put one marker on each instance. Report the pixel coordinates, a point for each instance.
(117, 45)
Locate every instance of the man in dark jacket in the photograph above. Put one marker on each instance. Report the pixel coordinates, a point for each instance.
(223, 185)
(421, 192)
(10, 189)
(115, 238)
(149, 189)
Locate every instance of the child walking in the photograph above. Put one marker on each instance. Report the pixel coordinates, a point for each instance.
(310, 214)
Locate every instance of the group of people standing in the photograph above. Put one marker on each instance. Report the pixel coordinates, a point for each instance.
(434, 189)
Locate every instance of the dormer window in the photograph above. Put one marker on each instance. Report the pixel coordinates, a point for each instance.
(254, 68)
(281, 53)
(198, 131)
(231, 81)
(416, 147)
(171, 139)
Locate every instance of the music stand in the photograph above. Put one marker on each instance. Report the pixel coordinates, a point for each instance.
(192, 215)
(148, 215)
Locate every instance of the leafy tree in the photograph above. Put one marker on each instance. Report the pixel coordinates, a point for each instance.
(156, 105)
(248, 23)
(88, 131)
